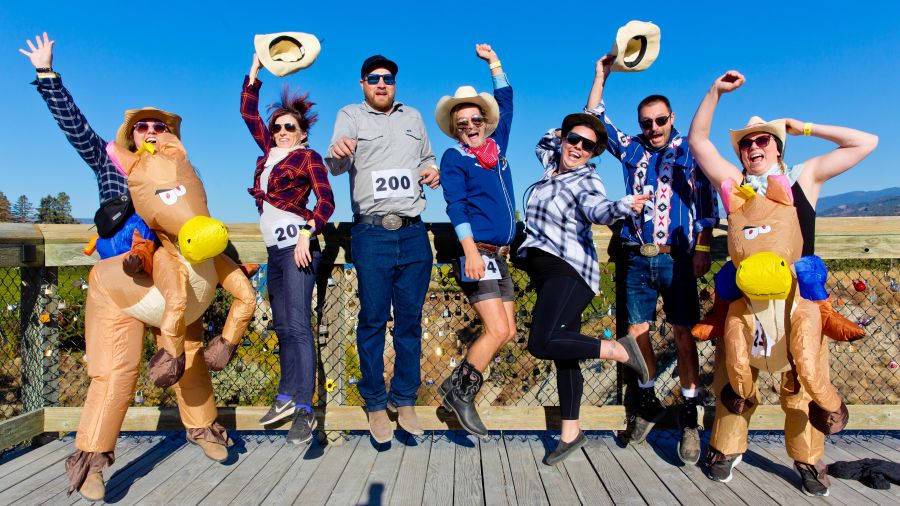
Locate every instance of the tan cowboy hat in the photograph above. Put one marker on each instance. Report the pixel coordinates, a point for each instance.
(776, 127)
(467, 95)
(286, 52)
(132, 116)
(636, 46)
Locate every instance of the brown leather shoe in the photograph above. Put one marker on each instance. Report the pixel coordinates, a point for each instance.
(380, 426)
(213, 451)
(406, 417)
(93, 488)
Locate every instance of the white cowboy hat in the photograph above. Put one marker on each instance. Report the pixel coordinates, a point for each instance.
(467, 95)
(636, 46)
(776, 127)
(286, 52)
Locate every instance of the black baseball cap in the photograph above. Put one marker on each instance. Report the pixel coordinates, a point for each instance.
(374, 62)
(589, 120)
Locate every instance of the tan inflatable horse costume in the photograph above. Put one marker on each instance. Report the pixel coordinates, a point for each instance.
(771, 328)
(169, 196)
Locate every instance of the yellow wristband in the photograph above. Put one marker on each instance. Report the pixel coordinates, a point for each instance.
(495, 65)
(807, 129)
(305, 233)
(701, 247)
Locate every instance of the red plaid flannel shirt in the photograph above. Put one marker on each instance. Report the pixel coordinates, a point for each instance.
(291, 179)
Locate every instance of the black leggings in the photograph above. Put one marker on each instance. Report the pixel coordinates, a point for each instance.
(556, 335)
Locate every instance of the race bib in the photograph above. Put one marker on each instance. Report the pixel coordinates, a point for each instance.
(649, 205)
(762, 344)
(286, 232)
(392, 183)
(491, 269)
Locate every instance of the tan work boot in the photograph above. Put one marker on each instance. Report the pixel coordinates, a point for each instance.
(213, 451)
(93, 488)
(380, 426)
(407, 418)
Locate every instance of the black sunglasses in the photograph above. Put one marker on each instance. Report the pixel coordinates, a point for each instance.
(762, 141)
(288, 127)
(389, 79)
(143, 127)
(476, 120)
(647, 124)
(573, 139)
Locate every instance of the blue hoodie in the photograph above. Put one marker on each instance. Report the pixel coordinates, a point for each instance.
(481, 202)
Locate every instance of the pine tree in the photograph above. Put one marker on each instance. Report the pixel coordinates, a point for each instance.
(56, 209)
(22, 210)
(5, 213)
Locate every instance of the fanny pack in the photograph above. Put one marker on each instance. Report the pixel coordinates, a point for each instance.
(112, 215)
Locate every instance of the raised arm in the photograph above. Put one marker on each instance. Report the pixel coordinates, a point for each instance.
(716, 168)
(853, 147)
(250, 107)
(547, 149)
(596, 106)
(90, 146)
(503, 93)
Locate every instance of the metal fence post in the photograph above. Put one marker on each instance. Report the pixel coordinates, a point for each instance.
(39, 329)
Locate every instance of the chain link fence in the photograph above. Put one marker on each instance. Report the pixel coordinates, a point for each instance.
(51, 353)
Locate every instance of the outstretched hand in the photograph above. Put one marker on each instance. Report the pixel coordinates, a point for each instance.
(254, 68)
(793, 126)
(729, 81)
(486, 53)
(637, 204)
(41, 54)
(604, 66)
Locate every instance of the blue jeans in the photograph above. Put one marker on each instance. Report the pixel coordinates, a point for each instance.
(290, 296)
(392, 267)
(672, 277)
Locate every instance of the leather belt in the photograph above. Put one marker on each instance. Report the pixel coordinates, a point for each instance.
(388, 221)
(650, 249)
(493, 248)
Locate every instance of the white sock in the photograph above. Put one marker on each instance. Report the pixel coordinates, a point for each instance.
(648, 384)
(689, 392)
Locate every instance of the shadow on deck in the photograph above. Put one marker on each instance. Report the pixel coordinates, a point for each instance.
(439, 468)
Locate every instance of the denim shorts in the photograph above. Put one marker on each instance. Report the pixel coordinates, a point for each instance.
(648, 278)
(477, 291)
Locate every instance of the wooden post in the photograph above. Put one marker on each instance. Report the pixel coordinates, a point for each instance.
(39, 329)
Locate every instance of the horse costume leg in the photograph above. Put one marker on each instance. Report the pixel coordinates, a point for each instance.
(113, 342)
(233, 279)
(729, 430)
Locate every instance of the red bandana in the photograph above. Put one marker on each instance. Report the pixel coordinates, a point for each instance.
(487, 154)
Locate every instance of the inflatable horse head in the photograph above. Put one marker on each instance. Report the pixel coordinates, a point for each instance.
(169, 196)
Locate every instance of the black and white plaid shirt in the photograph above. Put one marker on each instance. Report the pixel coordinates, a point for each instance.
(561, 209)
(90, 146)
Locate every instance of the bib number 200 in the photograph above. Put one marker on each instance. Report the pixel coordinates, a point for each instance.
(392, 183)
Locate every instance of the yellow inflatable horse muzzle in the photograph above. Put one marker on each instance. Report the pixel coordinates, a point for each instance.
(202, 238)
(765, 276)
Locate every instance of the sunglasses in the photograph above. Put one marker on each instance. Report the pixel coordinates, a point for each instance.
(389, 79)
(143, 127)
(476, 120)
(647, 124)
(762, 141)
(288, 127)
(573, 139)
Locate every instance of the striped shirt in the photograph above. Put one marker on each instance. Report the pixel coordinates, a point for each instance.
(90, 146)
(561, 209)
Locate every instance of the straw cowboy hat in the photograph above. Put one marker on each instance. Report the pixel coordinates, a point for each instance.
(467, 95)
(132, 116)
(776, 127)
(286, 52)
(636, 46)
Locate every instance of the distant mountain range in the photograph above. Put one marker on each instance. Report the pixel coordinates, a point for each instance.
(884, 202)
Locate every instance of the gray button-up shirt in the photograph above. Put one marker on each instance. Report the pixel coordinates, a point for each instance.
(391, 150)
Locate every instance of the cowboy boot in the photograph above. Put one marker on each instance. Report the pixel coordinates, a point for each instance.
(466, 382)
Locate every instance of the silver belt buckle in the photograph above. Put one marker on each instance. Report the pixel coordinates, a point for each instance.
(391, 222)
(649, 250)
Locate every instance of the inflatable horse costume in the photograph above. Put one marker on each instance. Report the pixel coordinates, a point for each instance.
(169, 196)
(772, 327)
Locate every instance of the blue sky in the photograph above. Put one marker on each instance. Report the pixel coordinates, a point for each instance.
(815, 61)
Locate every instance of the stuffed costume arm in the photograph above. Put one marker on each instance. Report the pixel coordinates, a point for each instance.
(737, 352)
(221, 348)
(805, 341)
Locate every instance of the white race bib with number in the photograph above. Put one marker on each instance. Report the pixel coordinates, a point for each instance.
(392, 183)
(286, 232)
(762, 343)
(491, 269)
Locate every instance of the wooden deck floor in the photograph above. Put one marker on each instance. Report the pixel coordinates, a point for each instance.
(440, 468)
